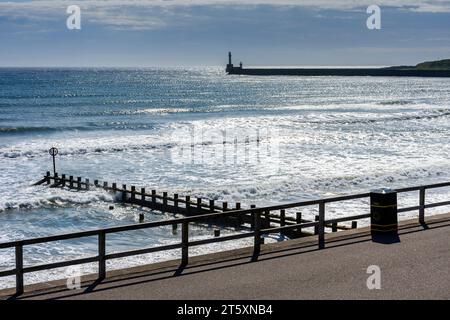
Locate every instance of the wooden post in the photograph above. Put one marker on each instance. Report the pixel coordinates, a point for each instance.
(114, 186)
(96, 183)
(71, 182)
(48, 177)
(63, 179)
(19, 269)
(153, 196)
(175, 200)
(87, 184)
(174, 228)
(133, 192)
(101, 255)
(211, 205)
(216, 233)
(239, 217)
(105, 185)
(321, 225)
(334, 226)
(298, 220)
(188, 204)
(422, 205)
(141, 217)
(224, 206)
(165, 198)
(267, 219)
(79, 183)
(124, 192)
(354, 224)
(185, 243)
(199, 204)
(142, 194)
(282, 218)
(257, 237)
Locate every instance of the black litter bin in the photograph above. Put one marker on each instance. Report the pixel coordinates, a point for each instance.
(383, 211)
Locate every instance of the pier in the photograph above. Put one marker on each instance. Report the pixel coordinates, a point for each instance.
(334, 72)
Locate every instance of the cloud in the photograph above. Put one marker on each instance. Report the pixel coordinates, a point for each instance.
(154, 14)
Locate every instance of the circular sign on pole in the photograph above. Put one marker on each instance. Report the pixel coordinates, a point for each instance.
(53, 151)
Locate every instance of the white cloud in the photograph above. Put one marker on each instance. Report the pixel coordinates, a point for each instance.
(151, 14)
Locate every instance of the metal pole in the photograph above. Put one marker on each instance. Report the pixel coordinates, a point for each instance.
(54, 166)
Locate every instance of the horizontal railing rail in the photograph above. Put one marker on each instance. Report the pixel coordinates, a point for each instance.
(184, 244)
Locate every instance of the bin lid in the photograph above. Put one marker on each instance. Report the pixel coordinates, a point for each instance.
(383, 190)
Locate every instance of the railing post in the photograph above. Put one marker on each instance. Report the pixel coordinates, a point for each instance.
(87, 184)
(142, 194)
(63, 180)
(79, 183)
(105, 185)
(321, 225)
(211, 205)
(48, 177)
(19, 269)
(282, 218)
(101, 255)
(257, 238)
(184, 243)
(224, 206)
(252, 217)
(71, 182)
(422, 206)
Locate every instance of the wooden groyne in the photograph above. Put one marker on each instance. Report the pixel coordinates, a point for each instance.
(186, 205)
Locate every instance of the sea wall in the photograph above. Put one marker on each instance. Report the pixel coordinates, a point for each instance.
(374, 72)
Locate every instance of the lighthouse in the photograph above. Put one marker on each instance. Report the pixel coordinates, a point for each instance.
(230, 63)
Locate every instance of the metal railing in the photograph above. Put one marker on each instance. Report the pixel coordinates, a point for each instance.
(184, 244)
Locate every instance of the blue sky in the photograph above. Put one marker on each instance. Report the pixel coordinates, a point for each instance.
(201, 32)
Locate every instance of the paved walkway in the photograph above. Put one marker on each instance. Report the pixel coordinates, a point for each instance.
(415, 266)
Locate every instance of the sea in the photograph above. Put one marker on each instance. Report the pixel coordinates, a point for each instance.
(199, 132)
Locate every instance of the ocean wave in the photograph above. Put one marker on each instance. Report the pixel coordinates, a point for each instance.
(28, 129)
(396, 102)
(439, 113)
(112, 125)
(56, 201)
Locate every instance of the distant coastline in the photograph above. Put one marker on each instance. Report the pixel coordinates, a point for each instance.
(439, 69)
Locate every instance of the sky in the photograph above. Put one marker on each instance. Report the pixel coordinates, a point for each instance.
(152, 33)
